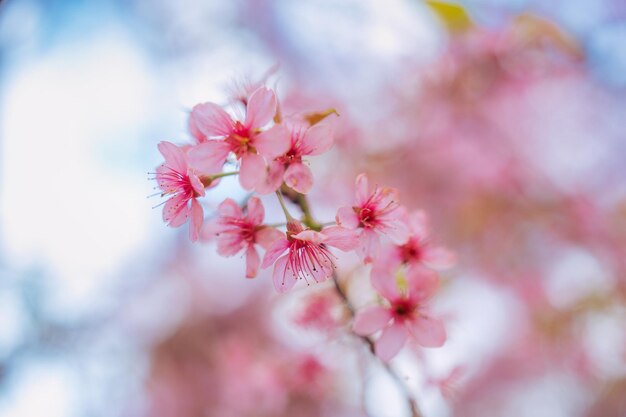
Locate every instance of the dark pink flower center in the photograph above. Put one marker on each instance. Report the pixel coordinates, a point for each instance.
(367, 216)
(239, 140)
(403, 309)
(411, 251)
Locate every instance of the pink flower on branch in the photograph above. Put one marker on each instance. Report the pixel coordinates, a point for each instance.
(307, 254)
(182, 185)
(238, 232)
(289, 167)
(246, 140)
(418, 250)
(373, 214)
(406, 316)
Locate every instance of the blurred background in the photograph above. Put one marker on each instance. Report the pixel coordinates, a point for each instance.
(504, 119)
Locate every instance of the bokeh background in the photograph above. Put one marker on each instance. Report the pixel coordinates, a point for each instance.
(504, 119)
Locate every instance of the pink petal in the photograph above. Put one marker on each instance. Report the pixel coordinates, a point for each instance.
(423, 283)
(428, 331)
(211, 120)
(197, 216)
(176, 211)
(391, 341)
(252, 262)
(367, 248)
(195, 132)
(299, 177)
(418, 223)
(209, 157)
(283, 277)
(341, 238)
(347, 217)
(273, 142)
(389, 258)
(317, 140)
(229, 244)
(438, 257)
(261, 108)
(362, 189)
(252, 171)
(229, 208)
(397, 231)
(370, 320)
(273, 180)
(385, 283)
(174, 156)
(311, 236)
(278, 248)
(267, 236)
(197, 185)
(256, 212)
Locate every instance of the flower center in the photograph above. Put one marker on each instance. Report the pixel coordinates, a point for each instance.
(367, 216)
(239, 140)
(402, 309)
(411, 251)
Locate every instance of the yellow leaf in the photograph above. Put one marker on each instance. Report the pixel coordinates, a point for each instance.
(453, 16)
(316, 117)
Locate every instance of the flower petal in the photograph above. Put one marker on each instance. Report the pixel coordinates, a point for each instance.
(272, 142)
(274, 251)
(317, 140)
(423, 283)
(267, 235)
(196, 184)
(391, 341)
(261, 108)
(252, 262)
(197, 216)
(384, 283)
(347, 217)
(176, 211)
(229, 208)
(311, 236)
(252, 171)
(418, 223)
(174, 156)
(438, 257)
(283, 277)
(341, 238)
(370, 320)
(367, 248)
(211, 120)
(428, 331)
(362, 189)
(272, 180)
(299, 177)
(256, 211)
(209, 157)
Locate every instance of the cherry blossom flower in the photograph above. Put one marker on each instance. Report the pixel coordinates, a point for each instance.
(289, 167)
(307, 254)
(238, 232)
(406, 316)
(250, 144)
(183, 185)
(417, 250)
(374, 213)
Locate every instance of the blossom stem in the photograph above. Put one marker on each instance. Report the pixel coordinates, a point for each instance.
(288, 216)
(223, 174)
(415, 411)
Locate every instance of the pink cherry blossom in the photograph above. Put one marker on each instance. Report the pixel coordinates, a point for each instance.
(417, 250)
(183, 185)
(374, 213)
(289, 167)
(307, 254)
(406, 316)
(238, 232)
(250, 144)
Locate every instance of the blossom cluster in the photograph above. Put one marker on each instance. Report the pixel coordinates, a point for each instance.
(269, 151)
